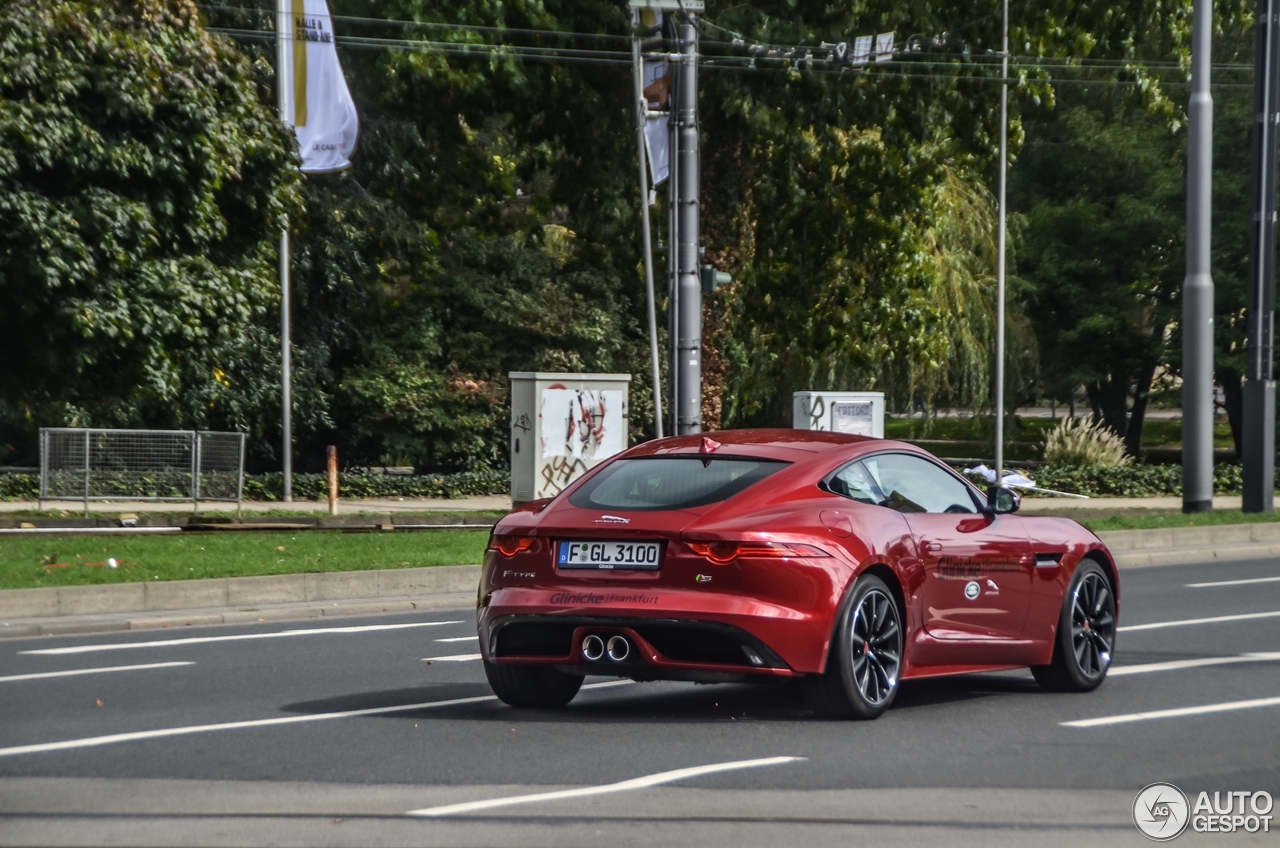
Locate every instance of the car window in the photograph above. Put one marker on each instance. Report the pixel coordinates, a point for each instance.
(854, 482)
(650, 483)
(913, 484)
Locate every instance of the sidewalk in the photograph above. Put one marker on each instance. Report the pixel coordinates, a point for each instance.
(1050, 505)
(379, 506)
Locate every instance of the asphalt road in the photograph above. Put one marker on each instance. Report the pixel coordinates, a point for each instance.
(298, 734)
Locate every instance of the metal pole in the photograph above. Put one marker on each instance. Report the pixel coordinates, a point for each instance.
(673, 239)
(1000, 237)
(1259, 436)
(286, 367)
(642, 109)
(240, 480)
(86, 473)
(1197, 288)
(44, 467)
(688, 282)
(195, 472)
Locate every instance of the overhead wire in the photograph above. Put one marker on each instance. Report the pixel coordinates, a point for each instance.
(434, 24)
(794, 61)
(455, 48)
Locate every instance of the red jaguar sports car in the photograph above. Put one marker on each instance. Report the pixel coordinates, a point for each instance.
(848, 562)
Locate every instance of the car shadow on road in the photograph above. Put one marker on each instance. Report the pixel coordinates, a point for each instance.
(657, 702)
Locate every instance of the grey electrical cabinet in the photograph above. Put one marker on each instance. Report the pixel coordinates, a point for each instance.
(562, 425)
(856, 413)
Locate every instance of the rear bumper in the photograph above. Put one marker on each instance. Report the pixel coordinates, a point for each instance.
(676, 635)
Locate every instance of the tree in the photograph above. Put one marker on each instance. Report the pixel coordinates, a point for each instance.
(1232, 212)
(1102, 182)
(142, 185)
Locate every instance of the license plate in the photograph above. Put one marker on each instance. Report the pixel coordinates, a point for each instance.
(630, 556)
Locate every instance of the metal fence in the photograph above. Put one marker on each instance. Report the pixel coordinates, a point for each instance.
(141, 465)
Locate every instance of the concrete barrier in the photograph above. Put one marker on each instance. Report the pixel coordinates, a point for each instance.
(268, 590)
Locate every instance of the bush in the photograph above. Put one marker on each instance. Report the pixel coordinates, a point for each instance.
(270, 487)
(1132, 481)
(19, 487)
(1079, 442)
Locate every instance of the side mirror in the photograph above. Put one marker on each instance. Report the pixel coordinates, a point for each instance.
(1001, 501)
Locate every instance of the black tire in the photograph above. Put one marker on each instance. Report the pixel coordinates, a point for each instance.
(1086, 638)
(534, 686)
(861, 679)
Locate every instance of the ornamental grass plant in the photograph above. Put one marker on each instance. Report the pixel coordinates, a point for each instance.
(1081, 442)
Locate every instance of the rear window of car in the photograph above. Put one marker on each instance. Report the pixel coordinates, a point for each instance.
(655, 483)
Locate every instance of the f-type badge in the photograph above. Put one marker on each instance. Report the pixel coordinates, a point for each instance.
(972, 590)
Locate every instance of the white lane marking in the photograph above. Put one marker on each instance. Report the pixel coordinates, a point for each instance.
(1232, 582)
(96, 741)
(1174, 665)
(1156, 625)
(1182, 711)
(460, 639)
(586, 791)
(453, 658)
(198, 640)
(78, 671)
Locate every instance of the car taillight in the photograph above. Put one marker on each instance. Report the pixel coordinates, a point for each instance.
(722, 553)
(718, 552)
(509, 546)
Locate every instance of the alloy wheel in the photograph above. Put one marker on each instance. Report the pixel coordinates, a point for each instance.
(877, 647)
(1093, 625)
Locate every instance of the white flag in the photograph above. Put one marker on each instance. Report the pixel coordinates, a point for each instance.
(317, 102)
(657, 133)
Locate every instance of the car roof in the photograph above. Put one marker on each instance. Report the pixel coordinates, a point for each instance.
(782, 444)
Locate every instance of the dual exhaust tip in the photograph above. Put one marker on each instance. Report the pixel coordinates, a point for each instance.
(617, 649)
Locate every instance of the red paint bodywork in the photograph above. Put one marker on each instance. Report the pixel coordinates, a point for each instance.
(790, 605)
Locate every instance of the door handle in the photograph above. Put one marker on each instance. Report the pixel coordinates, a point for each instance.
(933, 547)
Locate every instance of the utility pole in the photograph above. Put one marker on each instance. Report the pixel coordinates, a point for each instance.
(642, 115)
(284, 31)
(686, 375)
(1000, 237)
(1259, 457)
(1197, 287)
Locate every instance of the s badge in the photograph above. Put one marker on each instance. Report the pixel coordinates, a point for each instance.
(972, 590)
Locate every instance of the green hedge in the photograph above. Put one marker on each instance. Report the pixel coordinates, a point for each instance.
(270, 487)
(1133, 481)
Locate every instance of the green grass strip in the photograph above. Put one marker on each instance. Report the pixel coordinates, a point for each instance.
(28, 562)
(1150, 519)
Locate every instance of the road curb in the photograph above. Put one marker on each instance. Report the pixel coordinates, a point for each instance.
(368, 587)
(73, 625)
(1185, 545)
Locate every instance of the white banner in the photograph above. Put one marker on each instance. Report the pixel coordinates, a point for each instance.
(317, 103)
(657, 131)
